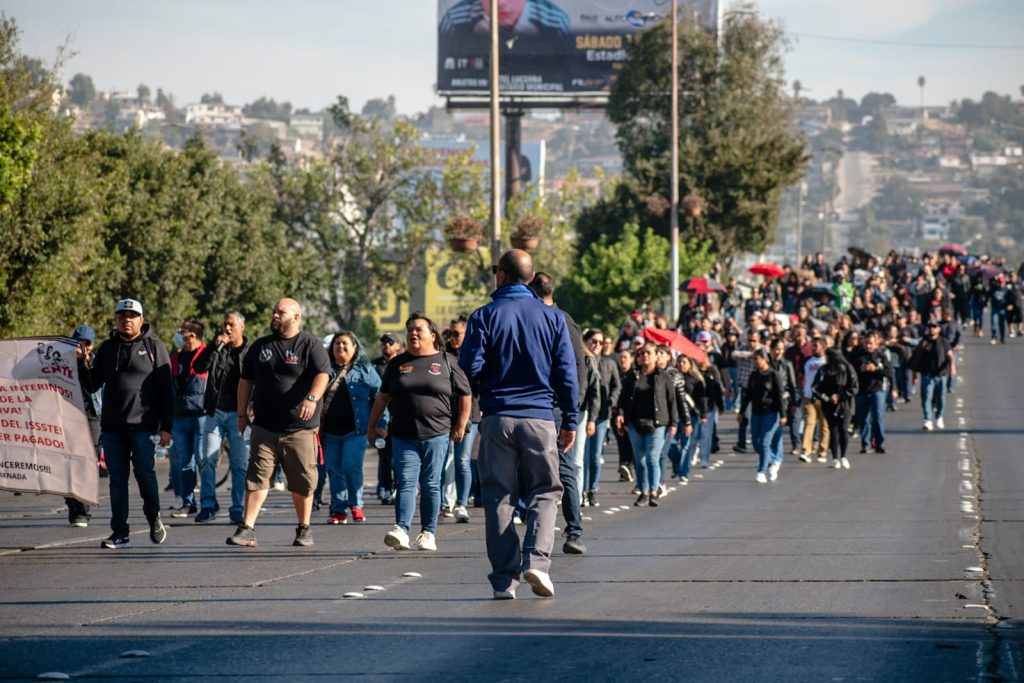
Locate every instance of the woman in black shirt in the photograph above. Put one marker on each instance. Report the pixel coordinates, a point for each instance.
(429, 399)
(835, 386)
(647, 410)
(765, 395)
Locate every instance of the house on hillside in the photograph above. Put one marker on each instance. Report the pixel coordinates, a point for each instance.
(210, 115)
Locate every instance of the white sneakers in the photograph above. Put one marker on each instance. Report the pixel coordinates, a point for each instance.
(773, 471)
(821, 458)
(804, 457)
(426, 541)
(540, 582)
(845, 462)
(928, 426)
(397, 538)
(940, 423)
(507, 594)
(836, 465)
(761, 478)
(461, 514)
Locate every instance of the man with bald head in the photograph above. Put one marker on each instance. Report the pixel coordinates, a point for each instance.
(284, 375)
(518, 353)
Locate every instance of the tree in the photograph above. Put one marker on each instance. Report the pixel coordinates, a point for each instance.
(876, 102)
(898, 200)
(739, 147)
(268, 108)
(614, 278)
(380, 108)
(143, 94)
(361, 219)
(211, 98)
(81, 90)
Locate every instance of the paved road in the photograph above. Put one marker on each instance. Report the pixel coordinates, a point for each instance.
(824, 575)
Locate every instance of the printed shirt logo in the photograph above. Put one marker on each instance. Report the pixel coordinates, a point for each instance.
(435, 369)
(141, 352)
(290, 358)
(265, 355)
(405, 369)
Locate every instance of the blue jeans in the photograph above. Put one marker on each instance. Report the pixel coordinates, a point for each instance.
(977, 311)
(705, 434)
(185, 452)
(933, 396)
(999, 325)
(463, 471)
(871, 419)
(682, 450)
(223, 423)
(647, 456)
(796, 424)
(732, 401)
(124, 451)
(422, 462)
(343, 457)
(592, 457)
(766, 433)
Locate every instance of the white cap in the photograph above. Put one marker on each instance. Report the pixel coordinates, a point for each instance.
(128, 305)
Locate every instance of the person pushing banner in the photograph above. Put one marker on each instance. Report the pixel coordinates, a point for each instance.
(45, 443)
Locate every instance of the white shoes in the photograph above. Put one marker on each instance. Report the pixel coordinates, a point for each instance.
(773, 471)
(426, 541)
(845, 463)
(540, 582)
(804, 457)
(508, 594)
(836, 465)
(821, 458)
(940, 424)
(761, 478)
(397, 538)
(928, 426)
(461, 515)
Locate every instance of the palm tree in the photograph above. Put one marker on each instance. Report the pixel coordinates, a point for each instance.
(920, 84)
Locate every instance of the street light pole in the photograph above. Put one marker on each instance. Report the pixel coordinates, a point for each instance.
(801, 193)
(495, 139)
(674, 215)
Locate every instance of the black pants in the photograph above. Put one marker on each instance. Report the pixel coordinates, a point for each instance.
(385, 470)
(77, 508)
(838, 420)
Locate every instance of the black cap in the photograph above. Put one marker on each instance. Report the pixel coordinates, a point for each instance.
(388, 338)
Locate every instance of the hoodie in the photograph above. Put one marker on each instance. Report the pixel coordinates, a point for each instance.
(517, 351)
(136, 380)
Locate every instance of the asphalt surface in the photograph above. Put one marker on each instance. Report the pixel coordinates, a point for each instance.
(906, 567)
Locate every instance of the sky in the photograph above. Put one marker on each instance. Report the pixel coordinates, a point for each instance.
(310, 51)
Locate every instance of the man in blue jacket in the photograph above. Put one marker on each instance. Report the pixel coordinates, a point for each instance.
(517, 351)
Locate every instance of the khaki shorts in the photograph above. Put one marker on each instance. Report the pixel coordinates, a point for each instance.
(296, 452)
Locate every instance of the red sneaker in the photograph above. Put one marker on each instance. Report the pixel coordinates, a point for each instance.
(339, 518)
(357, 515)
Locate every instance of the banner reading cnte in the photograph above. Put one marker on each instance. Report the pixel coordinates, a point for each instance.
(45, 444)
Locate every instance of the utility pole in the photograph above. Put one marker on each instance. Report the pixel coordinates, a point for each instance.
(495, 139)
(674, 211)
(801, 194)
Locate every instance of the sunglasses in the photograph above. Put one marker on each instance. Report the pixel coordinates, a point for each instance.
(494, 270)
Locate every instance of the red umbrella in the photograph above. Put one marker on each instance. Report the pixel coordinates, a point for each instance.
(953, 249)
(701, 285)
(766, 269)
(675, 341)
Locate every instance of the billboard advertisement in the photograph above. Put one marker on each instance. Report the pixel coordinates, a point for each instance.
(547, 47)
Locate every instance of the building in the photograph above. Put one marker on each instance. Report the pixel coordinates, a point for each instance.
(213, 115)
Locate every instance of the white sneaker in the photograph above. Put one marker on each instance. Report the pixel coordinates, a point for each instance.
(684, 481)
(461, 515)
(508, 594)
(773, 471)
(278, 486)
(517, 520)
(928, 426)
(426, 541)
(821, 458)
(397, 538)
(845, 463)
(804, 457)
(761, 478)
(940, 424)
(540, 582)
(836, 465)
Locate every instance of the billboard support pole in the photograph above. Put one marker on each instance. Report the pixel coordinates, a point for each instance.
(513, 153)
(495, 139)
(674, 210)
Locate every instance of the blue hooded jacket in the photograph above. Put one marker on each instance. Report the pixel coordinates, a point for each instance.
(517, 350)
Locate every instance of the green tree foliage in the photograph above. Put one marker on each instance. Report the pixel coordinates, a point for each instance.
(380, 108)
(268, 108)
(613, 278)
(991, 109)
(739, 147)
(81, 90)
(361, 219)
(897, 200)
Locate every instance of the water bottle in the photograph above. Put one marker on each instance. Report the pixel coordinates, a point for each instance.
(159, 452)
(380, 443)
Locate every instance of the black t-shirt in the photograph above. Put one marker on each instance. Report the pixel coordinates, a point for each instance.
(421, 390)
(282, 372)
(227, 399)
(339, 418)
(643, 398)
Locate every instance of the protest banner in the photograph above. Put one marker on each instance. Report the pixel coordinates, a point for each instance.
(45, 444)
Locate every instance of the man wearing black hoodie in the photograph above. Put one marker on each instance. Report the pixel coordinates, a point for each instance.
(138, 410)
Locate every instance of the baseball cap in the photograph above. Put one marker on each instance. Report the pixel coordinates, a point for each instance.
(128, 305)
(703, 337)
(933, 323)
(388, 338)
(84, 333)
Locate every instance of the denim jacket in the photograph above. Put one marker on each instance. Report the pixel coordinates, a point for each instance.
(363, 383)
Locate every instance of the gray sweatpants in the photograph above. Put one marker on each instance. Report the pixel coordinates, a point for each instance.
(518, 458)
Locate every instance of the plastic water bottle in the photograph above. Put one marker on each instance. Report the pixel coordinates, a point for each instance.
(380, 443)
(159, 452)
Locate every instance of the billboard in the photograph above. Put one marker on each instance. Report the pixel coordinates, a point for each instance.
(547, 47)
